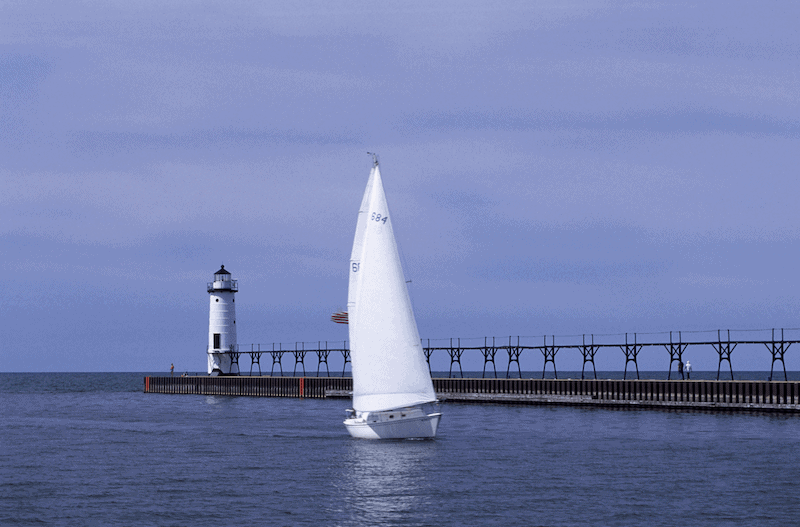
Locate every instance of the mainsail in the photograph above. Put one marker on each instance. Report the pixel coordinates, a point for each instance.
(389, 367)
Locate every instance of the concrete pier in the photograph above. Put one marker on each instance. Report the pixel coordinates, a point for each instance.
(780, 396)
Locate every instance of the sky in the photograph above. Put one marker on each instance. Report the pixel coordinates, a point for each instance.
(553, 168)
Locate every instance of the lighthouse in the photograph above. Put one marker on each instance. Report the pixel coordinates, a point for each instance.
(222, 325)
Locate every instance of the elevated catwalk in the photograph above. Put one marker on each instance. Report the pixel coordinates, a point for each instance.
(776, 342)
(773, 396)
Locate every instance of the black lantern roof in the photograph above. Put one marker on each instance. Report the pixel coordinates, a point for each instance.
(226, 284)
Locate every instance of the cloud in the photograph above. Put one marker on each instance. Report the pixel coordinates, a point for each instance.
(666, 121)
(561, 166)
(21, 76)
(718, 281)
(570, 271)
(713, 41)
(94, 143)
(279, 198)
(656, 81)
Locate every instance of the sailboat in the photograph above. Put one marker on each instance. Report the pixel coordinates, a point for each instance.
(393, 396)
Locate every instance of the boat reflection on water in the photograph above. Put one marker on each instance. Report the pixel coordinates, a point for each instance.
(385, 481)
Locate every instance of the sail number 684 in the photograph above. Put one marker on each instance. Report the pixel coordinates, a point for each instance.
(378, 217)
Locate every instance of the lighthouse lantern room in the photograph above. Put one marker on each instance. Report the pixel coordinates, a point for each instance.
(222, 347)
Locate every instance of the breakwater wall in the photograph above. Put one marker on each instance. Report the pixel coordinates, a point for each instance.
(699, 394)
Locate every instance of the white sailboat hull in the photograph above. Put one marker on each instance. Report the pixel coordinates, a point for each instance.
(415, 422)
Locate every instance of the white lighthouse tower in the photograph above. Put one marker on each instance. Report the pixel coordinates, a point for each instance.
(222, 324)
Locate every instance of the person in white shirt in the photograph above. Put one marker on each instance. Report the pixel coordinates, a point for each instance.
(688, 370)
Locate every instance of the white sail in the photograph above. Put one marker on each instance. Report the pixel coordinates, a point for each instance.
(358, 247)
(389, 367)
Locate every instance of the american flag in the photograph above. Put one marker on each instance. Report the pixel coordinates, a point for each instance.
(340, 317)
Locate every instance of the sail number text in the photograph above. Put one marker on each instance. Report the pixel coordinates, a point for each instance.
(378, 217)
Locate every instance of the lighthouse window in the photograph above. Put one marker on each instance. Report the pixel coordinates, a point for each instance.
(217, 341)
(217, 299)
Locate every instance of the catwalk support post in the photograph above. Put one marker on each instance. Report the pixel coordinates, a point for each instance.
(724, 350)
(513, 356)
(549, 353)
(488, 356)
(675, 351)
(588, 353)
(631, 352)
(778, 350)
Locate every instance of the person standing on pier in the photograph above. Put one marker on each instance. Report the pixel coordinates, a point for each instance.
(688, 370)
(680, 369)
(171, 369)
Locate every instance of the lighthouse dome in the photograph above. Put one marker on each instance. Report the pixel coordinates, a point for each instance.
(222, 281)
(222, 274)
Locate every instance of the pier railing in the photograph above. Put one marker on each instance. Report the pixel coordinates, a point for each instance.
(516, 349)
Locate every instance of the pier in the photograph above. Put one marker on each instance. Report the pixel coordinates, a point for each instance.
(727, 395)
(679, 392)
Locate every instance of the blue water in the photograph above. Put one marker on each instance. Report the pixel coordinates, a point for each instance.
(92, 449)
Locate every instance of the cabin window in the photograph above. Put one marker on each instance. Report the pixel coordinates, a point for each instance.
(217, 338)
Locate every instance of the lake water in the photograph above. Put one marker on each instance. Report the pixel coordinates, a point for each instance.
(92, 449)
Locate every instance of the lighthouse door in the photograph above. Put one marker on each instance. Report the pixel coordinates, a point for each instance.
(217, 341)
